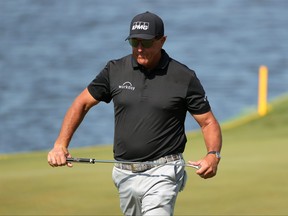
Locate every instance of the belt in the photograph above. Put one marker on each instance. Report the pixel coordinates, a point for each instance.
(141, 167)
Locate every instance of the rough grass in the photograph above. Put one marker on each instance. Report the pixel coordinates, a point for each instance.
(252, 177)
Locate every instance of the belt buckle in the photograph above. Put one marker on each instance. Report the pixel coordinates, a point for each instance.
(136, 168)
(162, 161)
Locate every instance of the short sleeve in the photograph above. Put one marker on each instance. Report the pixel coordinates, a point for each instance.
(99, 88)
(196, 99)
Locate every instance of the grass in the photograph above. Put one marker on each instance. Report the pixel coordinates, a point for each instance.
(252, 176)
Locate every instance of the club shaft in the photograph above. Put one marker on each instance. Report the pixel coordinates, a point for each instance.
(92, 161)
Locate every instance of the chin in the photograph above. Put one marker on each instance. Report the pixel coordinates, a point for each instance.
(142, 61)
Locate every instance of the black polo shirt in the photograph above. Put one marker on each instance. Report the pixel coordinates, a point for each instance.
(150, 106)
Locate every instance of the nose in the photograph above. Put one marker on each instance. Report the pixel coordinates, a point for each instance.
(140, 47)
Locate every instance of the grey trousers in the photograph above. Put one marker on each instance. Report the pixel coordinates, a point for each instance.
(152, 192)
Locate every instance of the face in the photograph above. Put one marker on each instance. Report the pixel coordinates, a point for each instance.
(148, 57)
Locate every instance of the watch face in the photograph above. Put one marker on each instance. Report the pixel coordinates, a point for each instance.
(218, 155)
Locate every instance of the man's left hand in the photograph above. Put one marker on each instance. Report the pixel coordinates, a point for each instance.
(208, 166)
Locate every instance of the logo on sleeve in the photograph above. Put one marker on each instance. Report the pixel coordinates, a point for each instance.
(127, 85)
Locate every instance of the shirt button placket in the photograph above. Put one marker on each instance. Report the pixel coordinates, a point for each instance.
(144, 94)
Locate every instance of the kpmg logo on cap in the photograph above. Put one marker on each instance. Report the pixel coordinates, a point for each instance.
(140, 26)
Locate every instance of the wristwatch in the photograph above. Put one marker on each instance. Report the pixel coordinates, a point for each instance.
(217, 154)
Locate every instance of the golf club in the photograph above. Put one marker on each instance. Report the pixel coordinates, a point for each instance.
(92, 161)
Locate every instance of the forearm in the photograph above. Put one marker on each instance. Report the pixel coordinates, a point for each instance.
(213, 140)
(74, 117)
(212, 136)
(72, 120)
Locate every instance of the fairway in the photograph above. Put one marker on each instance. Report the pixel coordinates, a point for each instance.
(252, 177)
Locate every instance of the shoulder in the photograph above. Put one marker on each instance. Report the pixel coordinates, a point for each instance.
(117, 68)
(124, 61)
(181, 72)
(176, 67)
(181, 68)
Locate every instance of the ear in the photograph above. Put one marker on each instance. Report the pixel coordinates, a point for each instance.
(163, 39)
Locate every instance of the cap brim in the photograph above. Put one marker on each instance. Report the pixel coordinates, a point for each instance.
(141, 36)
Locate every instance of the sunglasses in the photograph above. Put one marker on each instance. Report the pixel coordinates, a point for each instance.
(146, 43)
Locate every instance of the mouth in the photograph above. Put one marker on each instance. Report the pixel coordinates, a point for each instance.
(141, 57)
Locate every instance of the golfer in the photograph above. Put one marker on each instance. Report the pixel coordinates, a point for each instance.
(151, 93)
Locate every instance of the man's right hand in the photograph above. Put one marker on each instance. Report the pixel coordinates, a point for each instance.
(57, 156)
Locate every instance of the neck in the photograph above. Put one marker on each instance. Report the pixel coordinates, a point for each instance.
(155, 62)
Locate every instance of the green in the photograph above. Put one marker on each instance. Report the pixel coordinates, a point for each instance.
(251, 180)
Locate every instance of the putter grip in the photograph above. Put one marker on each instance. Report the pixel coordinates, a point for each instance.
(80, 160)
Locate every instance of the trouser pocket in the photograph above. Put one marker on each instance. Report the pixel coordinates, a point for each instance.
(184, 180)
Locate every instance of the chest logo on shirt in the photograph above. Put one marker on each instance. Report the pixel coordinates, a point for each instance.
(127, 85)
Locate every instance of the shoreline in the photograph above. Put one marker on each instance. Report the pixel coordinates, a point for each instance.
(241, 119)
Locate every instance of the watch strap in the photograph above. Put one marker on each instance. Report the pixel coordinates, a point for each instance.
(215, 152)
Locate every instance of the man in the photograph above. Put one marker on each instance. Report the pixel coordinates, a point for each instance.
(151, 93)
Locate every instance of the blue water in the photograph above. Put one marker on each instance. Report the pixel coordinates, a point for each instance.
(51, 49)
